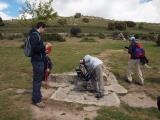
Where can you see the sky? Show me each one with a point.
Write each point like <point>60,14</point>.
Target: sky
<point>133,10</point>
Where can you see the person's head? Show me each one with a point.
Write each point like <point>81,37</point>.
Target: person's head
<point>132,39</point>
<point>40,26</point>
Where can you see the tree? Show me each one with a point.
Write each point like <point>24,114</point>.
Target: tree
<point>120,25</point>
<point>111,26</point>
<point>77,15</point>
<point>158,40</point>
<point>130,23</point>
<point>85,20</point>
<point>75,31</point>
<point>43,11</point>
<point>1,22</point>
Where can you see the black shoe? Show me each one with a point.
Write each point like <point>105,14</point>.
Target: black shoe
<point>40,104</point>
<point>93,91</point>
<point>99,95</point>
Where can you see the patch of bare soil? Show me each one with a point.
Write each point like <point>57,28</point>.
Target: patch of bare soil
<point>61,111</point>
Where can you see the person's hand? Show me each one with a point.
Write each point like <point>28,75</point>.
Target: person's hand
<point>48,70</point>
<point>48,45</point>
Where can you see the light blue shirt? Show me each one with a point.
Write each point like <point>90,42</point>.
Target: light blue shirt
<point>92,62</point>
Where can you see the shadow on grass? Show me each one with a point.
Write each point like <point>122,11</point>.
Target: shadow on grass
<point>153,80</point>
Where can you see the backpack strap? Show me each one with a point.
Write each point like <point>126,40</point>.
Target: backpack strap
<point>37,35</point>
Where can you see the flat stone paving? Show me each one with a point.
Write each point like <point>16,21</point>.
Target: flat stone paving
<point>139,100</point>
<point>68,94</point>
<point>66,91</point>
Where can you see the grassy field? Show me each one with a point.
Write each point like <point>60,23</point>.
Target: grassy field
<point>16,72</point>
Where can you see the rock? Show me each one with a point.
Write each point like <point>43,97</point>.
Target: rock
<point>69,95</point>
<point>117,88</point>
<point>57,85</point>
<point>61,93</point>
<point>63,114</point>
<point>20,91</point>
<point>90,108</point>
<point>111,79</point>
<point>63,78</point>
<point>46,93</point>
<point>138,100</point>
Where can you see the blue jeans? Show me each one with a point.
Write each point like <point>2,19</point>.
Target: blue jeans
<point>38,76</point>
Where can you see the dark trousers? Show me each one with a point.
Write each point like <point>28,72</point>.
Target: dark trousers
<point>38,76</point>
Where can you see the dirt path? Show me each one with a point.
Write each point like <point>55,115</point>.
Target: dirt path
<point>61,111</point>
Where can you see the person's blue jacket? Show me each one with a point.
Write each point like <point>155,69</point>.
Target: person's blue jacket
<point>38,48</point>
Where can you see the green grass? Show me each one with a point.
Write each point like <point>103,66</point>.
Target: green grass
<point>127,113</point>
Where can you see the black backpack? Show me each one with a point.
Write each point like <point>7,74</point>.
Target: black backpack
<point>27,45</point>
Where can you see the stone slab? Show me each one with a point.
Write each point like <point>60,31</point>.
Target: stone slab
<point>68,94</point>
<point>140,100</point>
<point>117,88</point>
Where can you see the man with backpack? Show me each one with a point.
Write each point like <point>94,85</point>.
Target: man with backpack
<point>35,49</point>
<point>136,52</point>
<point>94,67</point>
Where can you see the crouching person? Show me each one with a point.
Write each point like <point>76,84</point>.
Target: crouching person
<point>94,67</point>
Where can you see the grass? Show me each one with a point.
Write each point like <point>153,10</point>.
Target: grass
<point>127,113</point>
<point>16,72</point>
<point>95,25</point>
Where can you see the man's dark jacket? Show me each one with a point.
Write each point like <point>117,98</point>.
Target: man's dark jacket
<point>38,48</point>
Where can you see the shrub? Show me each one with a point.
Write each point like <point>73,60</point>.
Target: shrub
<point>111,26</point>
<point>115,34</point>
<point>77,15</point>
<point>75,31</point>
<point>130,24</point>
<point>85,20</point>
<point>126,34</point>
<point>25,34</point>
<point>101,36</point>
<point>120,25</point>
<point>149,37</point>
<point>141,26</point>
<point>86,39</point>
<point>53,37</point>
<point>158,40</point>
<point>1,22</point>
<point>1,36</point>
<point>62,22</point>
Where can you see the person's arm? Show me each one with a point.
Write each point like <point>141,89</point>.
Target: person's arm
<point>130,49</point>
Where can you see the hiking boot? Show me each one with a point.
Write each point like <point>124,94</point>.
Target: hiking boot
<point>99,95</point>
<point>93,91</point>
<point>40,104</point>
<point>141,84</point>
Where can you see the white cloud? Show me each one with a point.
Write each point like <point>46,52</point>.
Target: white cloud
<point>112,9</point>
<point>27,16</point>
<point>134,10</point>
<point>3,6</point>
<point>4,16</point>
